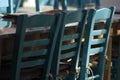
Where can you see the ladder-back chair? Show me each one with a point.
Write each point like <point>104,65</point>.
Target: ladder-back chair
<point>41,54</point>
<point>68,45</point>
<point>96,43</point>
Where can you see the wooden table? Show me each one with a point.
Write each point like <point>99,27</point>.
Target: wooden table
<point>5,33</point>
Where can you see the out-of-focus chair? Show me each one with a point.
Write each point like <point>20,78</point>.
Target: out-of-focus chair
<point>96,45</point>
<point>39,59</point>
<point>68,48</point>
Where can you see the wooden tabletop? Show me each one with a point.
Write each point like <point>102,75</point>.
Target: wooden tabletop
<point>6,32</point>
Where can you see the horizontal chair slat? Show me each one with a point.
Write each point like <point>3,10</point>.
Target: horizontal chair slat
<point>68,46</point>
<point>99,32</point>
<point>36,43</point>
<point>74,18</point>
<point>28,64</point>
<point>69,37</point>
<point>97,41</point>
<point>34,53</point>
<point>103,14</point>
<point>67,55</point>
<point>96,50</point>
<point>35,19</point>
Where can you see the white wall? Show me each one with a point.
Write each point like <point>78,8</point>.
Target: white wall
<point>29,3</point>
<point>109,3</point>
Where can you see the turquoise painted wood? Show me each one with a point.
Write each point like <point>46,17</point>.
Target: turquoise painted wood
<point>9,6</point>
<point>16,4</point>
<point>62,2</point>
<point>41,57</point>
<point>94,44</point>
<point>69,45</point>
<point>38,6</point>
<point>6,6</point>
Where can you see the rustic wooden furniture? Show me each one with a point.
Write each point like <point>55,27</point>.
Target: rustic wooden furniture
<point>69,45</point>
<point>95,44</point>
<point>24,57</point>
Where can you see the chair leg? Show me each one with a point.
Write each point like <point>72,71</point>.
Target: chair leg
<point>38,6</point>
<point>17,5</point>
<point>107,74</point>
<point>64,4</point>
<point>10,8</point>
<point>56,4</point>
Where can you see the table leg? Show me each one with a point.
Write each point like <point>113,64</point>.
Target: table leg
<point>118,67</point>
<point>108,62</point>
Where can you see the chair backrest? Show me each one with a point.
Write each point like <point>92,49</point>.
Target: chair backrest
<point>94,44</point>
<point>69,43</point>
<point>41,56</point>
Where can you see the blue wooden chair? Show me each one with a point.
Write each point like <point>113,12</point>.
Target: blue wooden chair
<point>6,6</point>
<point>24,57</point>
<point>96,45</point>
<point>68,45</point>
